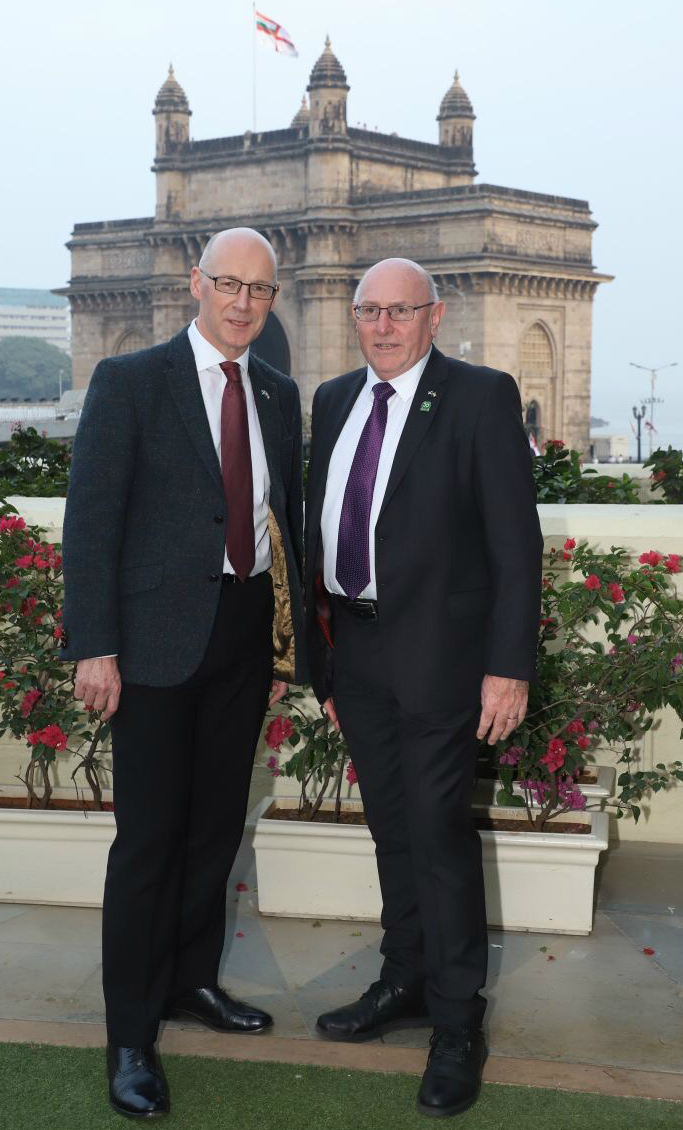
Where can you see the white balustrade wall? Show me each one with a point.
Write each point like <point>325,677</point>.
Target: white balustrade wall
<point>637,528</point>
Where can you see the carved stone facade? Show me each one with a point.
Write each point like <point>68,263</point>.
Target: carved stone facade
<point>514,267</point>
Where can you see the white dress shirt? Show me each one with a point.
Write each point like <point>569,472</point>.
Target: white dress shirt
<point>398,407</point>
<point>212,381</point>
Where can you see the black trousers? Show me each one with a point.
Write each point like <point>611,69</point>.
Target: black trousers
<point>183,758</point>
<point>416,776</point>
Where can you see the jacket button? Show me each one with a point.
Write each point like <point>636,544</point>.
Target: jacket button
<point>218,518</point>
<point>214,577</point>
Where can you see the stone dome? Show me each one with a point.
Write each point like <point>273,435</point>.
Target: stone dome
<point>302,116</point>
<point>455,103</point>
<point>171,96</point>
<point>328,71</point>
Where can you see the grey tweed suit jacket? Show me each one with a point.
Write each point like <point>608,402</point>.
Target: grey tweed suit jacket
<point>144,527</point>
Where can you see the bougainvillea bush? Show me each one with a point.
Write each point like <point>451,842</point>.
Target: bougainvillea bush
<point>610,656</point>
<point>36,689</point>
<point>559,477</point>
<point>667,473</point>
<point>317,753</point>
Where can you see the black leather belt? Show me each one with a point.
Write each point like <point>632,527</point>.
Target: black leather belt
<point>362,609</point>
<point>233,579</point>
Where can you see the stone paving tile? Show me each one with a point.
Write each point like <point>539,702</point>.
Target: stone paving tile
<point>664,936</point>
<point>55,926</point>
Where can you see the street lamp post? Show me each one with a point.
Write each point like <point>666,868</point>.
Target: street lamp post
<point>653,400</point>
<point>638,415</point>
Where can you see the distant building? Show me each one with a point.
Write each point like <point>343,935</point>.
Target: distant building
<point>55,419</point>
<point>610,449</point>
<point>514,267</point>
<point>35,313</point>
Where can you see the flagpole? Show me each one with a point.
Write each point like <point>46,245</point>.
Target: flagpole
<point>253,68</point>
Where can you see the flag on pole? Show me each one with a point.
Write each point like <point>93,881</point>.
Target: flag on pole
<point>274,35</point>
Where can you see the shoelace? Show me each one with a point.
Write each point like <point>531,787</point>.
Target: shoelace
<point>373,993</point>
<point>458,1053</point>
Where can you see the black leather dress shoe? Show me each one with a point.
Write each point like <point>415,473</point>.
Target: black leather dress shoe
<point>214,1008</point>
<point>452,1081</point>
<point>381,1009</point>
<point>137,1086</point>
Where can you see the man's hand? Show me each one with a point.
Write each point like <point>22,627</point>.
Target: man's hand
<point>278,690</point>
<point>328,707</point>
<point>503,707</point>
<point>98,684</point>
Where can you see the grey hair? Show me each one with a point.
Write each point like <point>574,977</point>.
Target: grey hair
<point>425,275</point>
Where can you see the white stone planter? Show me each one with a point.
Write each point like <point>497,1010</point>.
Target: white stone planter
<point>534,881</point>
<point>53,857</point>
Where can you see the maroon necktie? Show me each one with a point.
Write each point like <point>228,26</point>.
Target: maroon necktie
<point>236,471</point>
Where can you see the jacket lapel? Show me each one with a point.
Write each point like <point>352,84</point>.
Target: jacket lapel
<point>268,411</point>
<point>183,381</point>
<point>333,424</point>
<point>420,417</point>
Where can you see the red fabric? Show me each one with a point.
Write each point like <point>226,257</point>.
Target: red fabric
<point>237,476</point>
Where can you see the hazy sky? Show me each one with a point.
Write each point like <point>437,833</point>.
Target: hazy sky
<point>582,99</point>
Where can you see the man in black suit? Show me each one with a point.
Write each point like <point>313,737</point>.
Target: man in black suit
<point>423,587</point>
<point>182,534</point>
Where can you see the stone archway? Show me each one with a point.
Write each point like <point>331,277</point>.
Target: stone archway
<point>272,345</point>
<point>130,342</point>
<point>537,382</point>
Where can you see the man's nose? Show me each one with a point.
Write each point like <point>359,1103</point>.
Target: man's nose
<point>243,298</point>
<point>384,322</point>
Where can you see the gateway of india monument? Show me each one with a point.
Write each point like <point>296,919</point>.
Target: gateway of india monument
<point>514,267</point>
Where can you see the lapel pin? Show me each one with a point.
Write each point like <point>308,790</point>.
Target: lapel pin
<point>264,392</point>
<point>425,406</point>
<point>431,392</point>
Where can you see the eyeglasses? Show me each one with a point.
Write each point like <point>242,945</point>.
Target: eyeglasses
<point>398,313</point>
<point>227,285</point>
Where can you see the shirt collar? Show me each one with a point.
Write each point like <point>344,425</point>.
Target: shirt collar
<point>206,355</point>
<point>405,384</point>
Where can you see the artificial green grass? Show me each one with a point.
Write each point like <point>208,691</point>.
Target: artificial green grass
<point>49,1088</point>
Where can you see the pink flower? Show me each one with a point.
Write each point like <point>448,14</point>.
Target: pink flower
<point>650,558</point>
<point>575,727</point>
<point>553,757</point>
<point>24,562</point>
<point>10,524</point>
<point>676,662</point>
<point>12,583</point>
<point>592,726</point>
<point>278,731</point>
<point>511,755</point>
<point>566,556</point>
<point>58,632</point>
<point>592,582</point>
<point>274,767</point>
<point>51,736</point>
<point>570,543</point>
<point>659,476</point>
<point>553,443</point>
<point>631,638</point>
<point>673,563</point>
<point>40,562</point>
<point>583,742</point>
<point>351,774</point>
<point>28,702</point>
<point>616,593</point>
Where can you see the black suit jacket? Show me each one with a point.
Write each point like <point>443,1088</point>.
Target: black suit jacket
<point>144,529</point>
<point>458,547</point>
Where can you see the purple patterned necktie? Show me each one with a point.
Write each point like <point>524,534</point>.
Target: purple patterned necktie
<point>353,542</point>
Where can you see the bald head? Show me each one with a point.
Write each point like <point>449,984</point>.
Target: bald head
<point>392,346</point>
<point>236,242</point>
<point>231,319</point>
<point>404,273</point>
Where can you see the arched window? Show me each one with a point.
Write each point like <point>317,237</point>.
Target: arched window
<point>272,345</point>
<point>130,342</point>
<point>536,353</point>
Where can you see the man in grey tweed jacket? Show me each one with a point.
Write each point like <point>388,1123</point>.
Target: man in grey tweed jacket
<point>183,608</point>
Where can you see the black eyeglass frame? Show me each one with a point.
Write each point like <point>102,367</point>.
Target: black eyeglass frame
<point>233,294</point>
<point>394,306</point>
